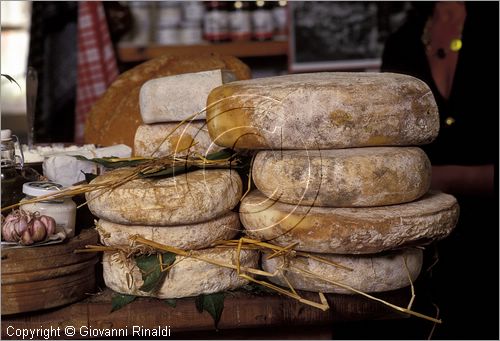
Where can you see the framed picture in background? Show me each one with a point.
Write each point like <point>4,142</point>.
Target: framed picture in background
<point>344,35</point>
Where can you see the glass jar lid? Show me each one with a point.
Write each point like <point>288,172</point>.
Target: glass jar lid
<point>39,188</point>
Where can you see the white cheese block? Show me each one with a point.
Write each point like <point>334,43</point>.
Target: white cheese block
<point>176,98</point>
<point>323,110</point>
<point>187,198</point>
<point>368,273</point>
<point>150,139</point>
<point>349,230</point>
<point>189,277</point>
<point>186,237</point>
<point>353,177</point>
<point>65,169</point>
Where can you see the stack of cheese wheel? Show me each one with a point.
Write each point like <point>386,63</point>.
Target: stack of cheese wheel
<point>166,102</point>
<point>337,175</point>
<point>189,211</point>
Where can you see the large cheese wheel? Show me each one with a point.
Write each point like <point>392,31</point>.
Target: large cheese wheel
<point>150,139</point>
<point>187,198</point>
<point>353,177</point>
<point>367,273</point>
<point>189,277</point>
<point>114,118</point>
<point>186,237</point>
<point>349,230</point>
<point>323,110</point>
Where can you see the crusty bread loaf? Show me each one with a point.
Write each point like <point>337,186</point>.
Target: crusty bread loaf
<point>323,110</point>
<point>114,118</point>
<point>349,230</point>
<point>186,237</point>
<point>189,198</point>
<point>192,135</point>
<point>189,277</point>
<point>370,273</point>
<point>352,177</point>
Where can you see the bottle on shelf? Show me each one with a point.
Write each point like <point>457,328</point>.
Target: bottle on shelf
<point>240,21</point>
<point>215,25</point>
<point>280,20</point>
<point>262,20</point>
<point>168,18</point>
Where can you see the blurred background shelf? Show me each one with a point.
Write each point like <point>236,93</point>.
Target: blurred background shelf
<point>237,49</point>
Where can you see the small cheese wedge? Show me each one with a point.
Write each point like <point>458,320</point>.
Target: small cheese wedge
<point>164,139</point>
<point>176,98</point>
<point>367,273</point>
<point>188,198</point>
<point>188,277</point>
<point>352,177</point>
<point>186,237</point>
<point>349,230</point>
<point>323,111</point>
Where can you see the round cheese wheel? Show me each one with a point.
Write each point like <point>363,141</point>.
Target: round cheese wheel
<point>349,230</point>
<point>114,118</point>
<point>353,177</point>
<point>367,273</point>
<point>186,237</point>
<point>188,198</point>
<point>189,277</point>
<point>323,111</point>
<point>190,137</point>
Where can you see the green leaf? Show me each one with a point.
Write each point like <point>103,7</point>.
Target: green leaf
<point>167,172</point>
<point>171,302</point>
<point>223,154</point>
<point>152,275</point>
<point>118,301</point>
<point>11,79</point>
<point>89,176</point>
<point>213,304</point>
<point>257,289</point>
<point>113,162</point>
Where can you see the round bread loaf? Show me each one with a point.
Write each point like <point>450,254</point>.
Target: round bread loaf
<point>186,237</point>
<point>368,273</point>
<point>349,230</point>
<point>189,277</point>
<point>150,138</point>
<point>189,198</point>
<point>353,177</point>
<point>114,118</point>
<point>323,111</point>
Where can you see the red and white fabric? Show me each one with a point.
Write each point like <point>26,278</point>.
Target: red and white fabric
<point>97,67</point>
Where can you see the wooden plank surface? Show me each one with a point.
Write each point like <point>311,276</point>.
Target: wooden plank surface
<point>237,49</point>
<point>242,310</point>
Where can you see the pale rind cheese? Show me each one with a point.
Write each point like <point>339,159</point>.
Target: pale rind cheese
<point>188,277</point>
<point>366,273</point>
<point>187,198</point>
<point>176,98</point>
<point>352,177</point>
<point>349,230</point>
<point>163,139</point>
<point>323,111</point>
<point>186,237</point>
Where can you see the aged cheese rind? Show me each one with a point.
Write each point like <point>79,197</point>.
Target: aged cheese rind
<point>187,198</point>
<point>191,136</point>
<point>178,97</point>
<point>349,230</point>
<point>370,273</point>
<point>323,110</point>
<point>353,177</point>
<point>186,237</point>
<point>189,277</point>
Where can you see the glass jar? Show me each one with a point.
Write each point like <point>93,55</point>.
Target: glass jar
<point>62,210</point>
<point>11,179</point>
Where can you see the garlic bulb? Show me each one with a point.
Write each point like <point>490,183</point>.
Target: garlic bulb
<point>27,228</point>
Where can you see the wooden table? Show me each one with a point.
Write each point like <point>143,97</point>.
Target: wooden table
<point>245,315</point>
